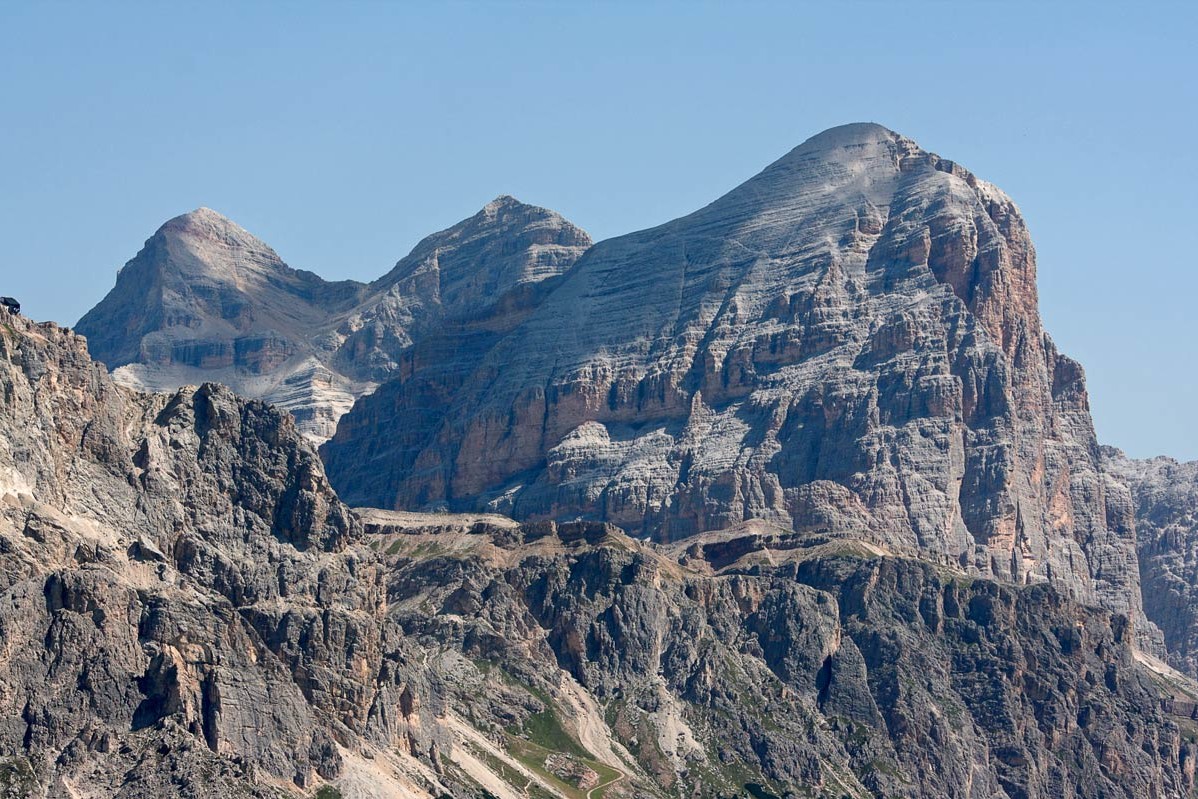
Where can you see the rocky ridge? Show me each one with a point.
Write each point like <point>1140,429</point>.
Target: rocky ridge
<point>187,609</point>
<point>205,300</point>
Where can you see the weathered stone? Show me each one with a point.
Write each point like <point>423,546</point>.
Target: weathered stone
<point>205,301</point>
<point>849,341</point>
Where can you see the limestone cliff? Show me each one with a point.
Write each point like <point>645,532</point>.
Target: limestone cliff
<point>1164,499</point>
<point>848,342</point>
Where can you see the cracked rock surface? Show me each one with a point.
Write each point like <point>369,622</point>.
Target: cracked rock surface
<point>849,341</point>
<point>187,609</point>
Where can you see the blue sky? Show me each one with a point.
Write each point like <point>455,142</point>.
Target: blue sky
<point>343,133</point>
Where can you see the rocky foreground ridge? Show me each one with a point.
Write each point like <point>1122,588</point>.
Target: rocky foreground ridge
<point>205,300</point>
<point>187,609</point>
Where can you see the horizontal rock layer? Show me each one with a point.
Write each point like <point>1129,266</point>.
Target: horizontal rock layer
<point>848,342</point>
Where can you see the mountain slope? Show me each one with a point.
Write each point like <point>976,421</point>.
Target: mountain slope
<point>849,341</point>
<point>206,301</point>
<point>186,609</point>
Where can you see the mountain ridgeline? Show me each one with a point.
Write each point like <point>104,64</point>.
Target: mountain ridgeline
<point>789,497</point>
<point>206,300</point>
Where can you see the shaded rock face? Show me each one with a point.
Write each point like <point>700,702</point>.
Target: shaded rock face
<point>206,301</point>
<point>1164,496</point>
<point>848,341</point>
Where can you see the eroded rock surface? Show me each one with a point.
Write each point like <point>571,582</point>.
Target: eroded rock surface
<point>207,301</point>
<point>1164,495</point>
<point>849,341</point>
<point>187,609</point>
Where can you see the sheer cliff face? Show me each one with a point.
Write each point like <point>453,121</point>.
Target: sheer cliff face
<point>1164,496</point>
<point>205,300</point>
<point>849,341</point>
<point>148,544</point>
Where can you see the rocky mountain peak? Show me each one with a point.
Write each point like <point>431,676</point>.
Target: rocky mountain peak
<point>205,222</point>
<point>536,243</point>
<point>500,204</point>
<point>207,300</point>
<point>204,243</point>
<point>847,341</point>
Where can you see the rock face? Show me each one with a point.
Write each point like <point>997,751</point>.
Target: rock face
<point>1164,495</point>
<point>849,341</point>
<point>206,301</point>
<point>805,668</point>
<point>184,599</point>
<point>187,609</point>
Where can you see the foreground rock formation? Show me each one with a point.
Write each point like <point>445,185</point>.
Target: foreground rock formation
<point>848,342</point>
<point>206,301</point>
<point>187,609</point>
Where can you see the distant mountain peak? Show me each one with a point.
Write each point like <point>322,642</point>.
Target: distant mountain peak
<point>205,228</point>
<point>205,299</point>
<point>852,133</point>
<point>501,202</point>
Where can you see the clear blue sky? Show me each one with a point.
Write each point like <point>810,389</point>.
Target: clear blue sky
<point>341,134</point>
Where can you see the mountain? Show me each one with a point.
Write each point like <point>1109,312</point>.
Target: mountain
<point>187,609</point>
<point>205,300</point>
<point>848,343</point>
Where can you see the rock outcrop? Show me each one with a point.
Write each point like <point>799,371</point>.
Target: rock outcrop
<point>848,342</point>
<point>187,608</point>
<point>768,664</point>
<point>206,301</point>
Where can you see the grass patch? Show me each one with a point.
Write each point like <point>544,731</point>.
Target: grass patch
<point>533,756</point>
<point>544,730</point>
<point>510,775</point>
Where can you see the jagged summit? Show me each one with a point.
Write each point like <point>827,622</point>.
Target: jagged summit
<point>500,203</point>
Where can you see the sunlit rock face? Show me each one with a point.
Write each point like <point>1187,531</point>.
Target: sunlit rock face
<point>1164,497</point>
<point>188,609</point>
<point>849,341</point>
